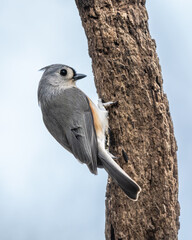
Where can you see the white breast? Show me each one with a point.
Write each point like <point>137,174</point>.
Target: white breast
<point>100,120</point>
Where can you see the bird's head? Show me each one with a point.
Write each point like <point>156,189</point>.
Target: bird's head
<point>55,78</point>
<point>60,75</point>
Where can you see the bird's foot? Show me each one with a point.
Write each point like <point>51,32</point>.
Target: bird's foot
<point>102,105</point>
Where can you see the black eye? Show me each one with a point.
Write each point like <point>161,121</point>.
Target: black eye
<point>63,72</point>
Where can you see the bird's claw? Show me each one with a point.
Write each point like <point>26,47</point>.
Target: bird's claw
<point>102,105</point>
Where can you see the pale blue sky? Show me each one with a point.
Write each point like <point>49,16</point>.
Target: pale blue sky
<point>45,193</point>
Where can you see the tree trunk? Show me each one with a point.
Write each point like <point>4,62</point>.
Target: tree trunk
<point>127,70</point>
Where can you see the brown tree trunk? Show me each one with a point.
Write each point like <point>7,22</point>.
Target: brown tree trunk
<point>127,70</point>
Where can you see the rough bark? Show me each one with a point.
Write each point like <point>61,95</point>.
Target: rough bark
<point>127,70</point>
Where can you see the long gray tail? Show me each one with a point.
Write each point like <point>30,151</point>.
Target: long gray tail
<point>129,186</point>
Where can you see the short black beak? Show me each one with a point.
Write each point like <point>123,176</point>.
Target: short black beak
<point>79,76</point>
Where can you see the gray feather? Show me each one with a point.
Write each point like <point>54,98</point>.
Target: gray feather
<point>129,186</point>
<point>69,119</point>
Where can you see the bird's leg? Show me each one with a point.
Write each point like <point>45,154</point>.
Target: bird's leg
<point>108,104</point>
<point>102,105</point>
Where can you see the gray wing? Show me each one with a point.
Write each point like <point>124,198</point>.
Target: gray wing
<point>69,119</point>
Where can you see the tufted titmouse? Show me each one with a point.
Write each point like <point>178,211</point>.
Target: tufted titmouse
<point>77,124</point>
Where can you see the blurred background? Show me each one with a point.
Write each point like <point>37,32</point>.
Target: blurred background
<point>44,192</point>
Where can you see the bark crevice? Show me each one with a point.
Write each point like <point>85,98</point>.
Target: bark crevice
<point>126,69</point>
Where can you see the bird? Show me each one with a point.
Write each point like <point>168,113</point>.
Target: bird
<point>78,124</point>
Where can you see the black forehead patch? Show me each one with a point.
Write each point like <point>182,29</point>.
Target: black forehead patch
<point>74,72</point>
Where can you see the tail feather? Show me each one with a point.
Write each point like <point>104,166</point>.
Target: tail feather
<point>128,185</point>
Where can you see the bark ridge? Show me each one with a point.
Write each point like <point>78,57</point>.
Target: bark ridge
<point>126,69</point>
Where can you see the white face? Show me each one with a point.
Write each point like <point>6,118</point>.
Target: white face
<point>66,73</point>
<point>56,78</point>
<point>59,76</point>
